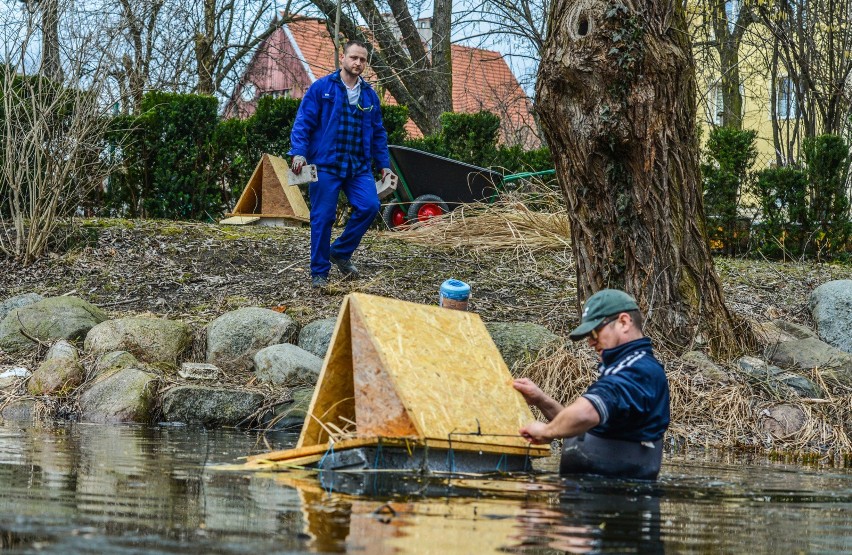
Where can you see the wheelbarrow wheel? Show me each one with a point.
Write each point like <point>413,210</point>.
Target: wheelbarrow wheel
<point>394,216</point>
<point>426,207</point>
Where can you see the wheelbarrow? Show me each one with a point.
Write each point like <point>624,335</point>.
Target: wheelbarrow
<point>431,185</point>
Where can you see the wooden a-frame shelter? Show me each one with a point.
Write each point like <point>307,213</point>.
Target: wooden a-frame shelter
<point>404,374</point>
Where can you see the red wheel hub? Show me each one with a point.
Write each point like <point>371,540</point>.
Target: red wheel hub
<point>428,211</point>
<point>397,217</point>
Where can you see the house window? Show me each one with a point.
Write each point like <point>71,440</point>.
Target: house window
<point>716,104</point>
<point>786,105</point>
<point>283,93</point>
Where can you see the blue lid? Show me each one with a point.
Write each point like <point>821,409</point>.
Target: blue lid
<point>455,289</point>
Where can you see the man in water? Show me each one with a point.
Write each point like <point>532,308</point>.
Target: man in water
<point>616,427</point>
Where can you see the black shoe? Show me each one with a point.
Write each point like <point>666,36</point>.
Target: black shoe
<point>345,266</point>
<point>319,282</point>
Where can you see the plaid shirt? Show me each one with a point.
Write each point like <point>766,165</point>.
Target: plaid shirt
<point>349,152</point>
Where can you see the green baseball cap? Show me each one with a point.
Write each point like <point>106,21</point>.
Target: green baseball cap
<point>606,302</point>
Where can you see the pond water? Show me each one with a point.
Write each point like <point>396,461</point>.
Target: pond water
<point>79,488</point>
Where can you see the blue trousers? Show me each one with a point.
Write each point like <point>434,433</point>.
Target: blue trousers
<point>361,191</point>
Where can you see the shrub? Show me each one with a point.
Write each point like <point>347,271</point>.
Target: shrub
<point>729,157</point>
<point>782,198</point>
<point>827,159</point>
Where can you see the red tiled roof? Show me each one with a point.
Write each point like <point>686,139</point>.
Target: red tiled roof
<point>302,51</point>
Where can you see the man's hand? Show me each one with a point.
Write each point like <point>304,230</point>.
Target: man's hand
<point>386,171</point>
<point>297,164</point>
<point>531,392</point>
<point>536,433</point>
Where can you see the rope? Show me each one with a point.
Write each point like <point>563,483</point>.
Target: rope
<point>502,460</point>
<point>329,451</point>
<point>379,456</point>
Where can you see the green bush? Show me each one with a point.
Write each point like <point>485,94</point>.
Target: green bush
<point>395,118</point>
<point>782,198</point>
<point>827,160</point>
<point>729,156</point>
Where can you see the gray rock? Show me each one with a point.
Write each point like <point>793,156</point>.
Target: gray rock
<point>235,337</point>
<point>807,354</point>
<point>316,336</point>
<point>290,416</point>
<point>11,376</point>
<point>779,331</point>
<point>59,373</point>
<point>148,339</point>
<point>776,379</point>
<point>19,301</point>
<point>831,307</point>
<point>783,420</point>
<point>209,406</point>
<point>287,364</point>
<point>520,342</point>
<point>704,366</point>
<point>48,320</point>
<point>198,371</point>
<point>125,395</point>
<point>20,410</point>
<point>114,360</point>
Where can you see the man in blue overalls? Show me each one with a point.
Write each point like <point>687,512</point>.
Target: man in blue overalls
<point>616,427</point>
<point>339,128</point>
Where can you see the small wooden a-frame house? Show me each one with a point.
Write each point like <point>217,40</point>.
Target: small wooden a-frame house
<point>408,386</point>
<point>268,198</point>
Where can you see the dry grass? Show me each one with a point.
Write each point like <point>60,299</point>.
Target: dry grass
<point>505,225</point>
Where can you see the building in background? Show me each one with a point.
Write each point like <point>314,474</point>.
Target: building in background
<point>302,51</point>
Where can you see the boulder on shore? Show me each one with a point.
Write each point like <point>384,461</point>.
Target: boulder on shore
<point>316,336</point>
<point>520,342</point>
<point>831,307</point>
<point>209,406</point>
<point>148,339</point>
<point>59,373</point>
<point>18,301</point>
<point>235,337</point>
<point>287,364</point>
<point>125,395</point>
<point>47,321</point>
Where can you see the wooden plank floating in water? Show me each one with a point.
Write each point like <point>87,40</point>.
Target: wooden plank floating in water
<point>410,375</point>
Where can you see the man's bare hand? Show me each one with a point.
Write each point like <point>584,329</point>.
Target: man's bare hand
<point>297,164</point>
<point>536,433</point>
<point>386,171</point>
<point>531,392</point>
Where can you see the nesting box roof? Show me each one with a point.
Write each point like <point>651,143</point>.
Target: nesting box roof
<point>403,370</point>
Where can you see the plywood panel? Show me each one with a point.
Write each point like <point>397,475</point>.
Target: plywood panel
<point>446,370</point>
<point>295,201</point>
<point>334,396</point>
<point>379,412</point>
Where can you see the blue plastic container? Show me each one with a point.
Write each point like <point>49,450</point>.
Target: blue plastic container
<point>454,294</point>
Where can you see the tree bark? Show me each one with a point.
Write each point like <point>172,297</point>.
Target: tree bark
<point>617,98</point>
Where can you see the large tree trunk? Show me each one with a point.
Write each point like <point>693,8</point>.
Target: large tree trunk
<point>616,96</point>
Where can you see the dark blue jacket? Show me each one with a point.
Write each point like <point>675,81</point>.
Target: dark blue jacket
<point>631,394</point>
<point>314,132</point>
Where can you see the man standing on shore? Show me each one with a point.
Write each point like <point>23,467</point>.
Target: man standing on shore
<point>616,427</point>
<point>339,128</point>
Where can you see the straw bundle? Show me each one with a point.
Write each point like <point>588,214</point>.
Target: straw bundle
<point>505,225</point>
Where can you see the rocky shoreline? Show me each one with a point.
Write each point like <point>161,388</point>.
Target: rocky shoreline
<point>216,326</point>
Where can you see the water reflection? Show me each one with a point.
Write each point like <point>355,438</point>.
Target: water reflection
<point>105,489</point>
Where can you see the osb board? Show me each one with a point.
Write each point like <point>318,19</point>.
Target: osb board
<point>239,220</point>
<point>445,368</point>
<point>441,365</point>
<point>378,408</point>
<point>334,395</point>
<point>313,453</point>
<point>295,202</point>
<point>267,195</point>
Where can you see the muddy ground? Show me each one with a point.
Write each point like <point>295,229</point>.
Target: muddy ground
<point>196,272</point>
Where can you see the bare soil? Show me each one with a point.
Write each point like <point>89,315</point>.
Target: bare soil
<point>196,272</point>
